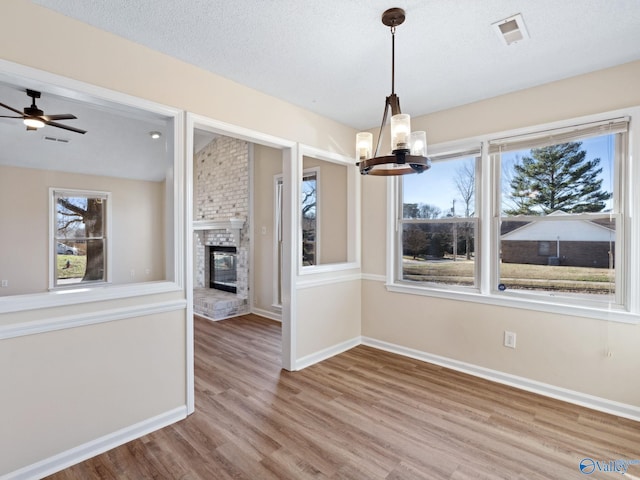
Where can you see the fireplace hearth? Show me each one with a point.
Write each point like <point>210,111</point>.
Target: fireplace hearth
<point>223,268</point>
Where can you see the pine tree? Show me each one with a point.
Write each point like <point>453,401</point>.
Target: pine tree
<point>558,177</point>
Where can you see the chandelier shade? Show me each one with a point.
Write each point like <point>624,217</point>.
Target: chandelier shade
<point>408,149</point>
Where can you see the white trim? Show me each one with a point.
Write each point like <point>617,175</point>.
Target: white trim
<point>318,282</point>
<point>353,211</point>
<point>84,294</point>
<point>188,240</point>
<point>326,353</point>
<point>267,314</point>
<point>577,398</point>
<point>78,454</point>
<point>373,277</point>
<point>290,244</point>
<point>251,227</point>
<point>535,304</point>
<point>328,267</point>
<point>231,224</point>
<point>289,154</point>
<point>277,252</point>
<point>211,319</point>
<point>241,133</point>
<point>22,329</point>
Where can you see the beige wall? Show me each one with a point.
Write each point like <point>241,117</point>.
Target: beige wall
<point>333,209</point>
<point>267,163</point>
<point>559,350</point>
<point>327,316</point>
<point>137,226</point>
<point>63,389</point>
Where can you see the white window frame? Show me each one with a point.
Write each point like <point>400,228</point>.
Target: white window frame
<point>471,151</point>
<point>54,193</point>
<point>353,260</point>
<point>629,232</point>
<point>313,172</point>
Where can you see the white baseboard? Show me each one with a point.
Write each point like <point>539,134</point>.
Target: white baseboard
<point>267,314</point>
<point>316,357</point>
<point>95,447</point>
<point>577,398</point>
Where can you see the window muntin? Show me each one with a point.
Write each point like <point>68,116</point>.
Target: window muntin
<point>559,228</point>
<point>80,237</point>
<point>438,235</point>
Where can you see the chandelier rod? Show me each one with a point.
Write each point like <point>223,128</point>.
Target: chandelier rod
<point>393,60</point>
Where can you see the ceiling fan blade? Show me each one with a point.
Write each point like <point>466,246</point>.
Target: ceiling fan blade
<point>9,116</point>
<point>12,109</point>
<point>62,116</point>
<point>65,127</point>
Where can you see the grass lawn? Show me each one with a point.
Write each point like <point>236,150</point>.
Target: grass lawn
<point>514,275</point>
<point>77,266</point>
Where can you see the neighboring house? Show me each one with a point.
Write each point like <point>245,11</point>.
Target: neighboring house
<point>575,243</point>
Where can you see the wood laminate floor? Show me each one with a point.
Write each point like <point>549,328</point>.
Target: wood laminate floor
<point>364,414</point>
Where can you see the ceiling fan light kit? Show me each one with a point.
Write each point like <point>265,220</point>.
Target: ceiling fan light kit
<point>34,118</point>
<point>408,149</point>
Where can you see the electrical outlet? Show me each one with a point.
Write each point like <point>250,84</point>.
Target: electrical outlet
<point>509,339</point>
<point>5,283</point>
<point>263,230</point>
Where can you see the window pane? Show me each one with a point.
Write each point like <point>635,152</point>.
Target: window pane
<point>559,254</point>
<point>573,177</point>
<point>447,189</point>
<point>80,247</point>
<point>440,252</point>
<point>309,219</point>
<point>571,256</point>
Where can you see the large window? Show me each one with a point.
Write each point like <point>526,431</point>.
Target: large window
<point>560,215</point>
<point>80,223</point>
<point>551,226</point>
<point>439,222</point>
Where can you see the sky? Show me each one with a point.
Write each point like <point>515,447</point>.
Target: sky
<point>437,186</point>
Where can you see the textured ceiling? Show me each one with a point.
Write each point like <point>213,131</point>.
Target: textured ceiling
<point>333,56</point>
<point>115,135</point>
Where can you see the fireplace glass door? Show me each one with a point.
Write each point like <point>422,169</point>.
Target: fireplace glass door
<point>223,268</point>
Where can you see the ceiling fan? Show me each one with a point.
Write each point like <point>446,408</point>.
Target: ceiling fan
<point>34,118</point>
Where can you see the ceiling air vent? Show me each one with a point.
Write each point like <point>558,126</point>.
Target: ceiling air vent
<point>511,30</point>
<point>55,139</point>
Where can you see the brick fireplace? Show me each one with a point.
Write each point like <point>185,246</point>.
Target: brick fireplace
<point>221,206</point>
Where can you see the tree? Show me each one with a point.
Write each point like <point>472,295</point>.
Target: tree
<point>415,240</point>
<point>420,210</point>
<point>73,211</point>
<point>558,177</point>
<point>309,219</point>
<point>465,181</point>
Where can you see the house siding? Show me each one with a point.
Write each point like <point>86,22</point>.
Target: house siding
<point>572,254</point>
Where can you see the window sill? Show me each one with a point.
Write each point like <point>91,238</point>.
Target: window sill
<point>84,294</point>
<point>613,313</point>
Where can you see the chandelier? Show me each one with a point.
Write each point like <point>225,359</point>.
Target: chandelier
<point>408,149</point>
